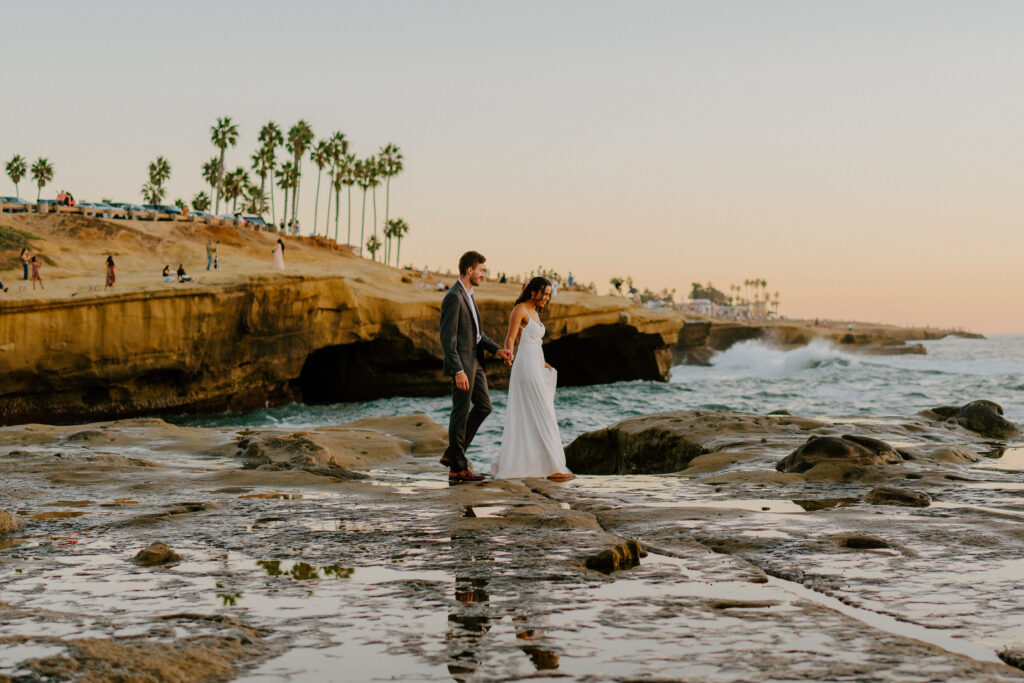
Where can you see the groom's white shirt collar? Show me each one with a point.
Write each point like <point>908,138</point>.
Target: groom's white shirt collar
<point>472,308</point>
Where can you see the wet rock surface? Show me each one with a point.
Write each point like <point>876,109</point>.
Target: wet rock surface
<point>893,495</point>
<point>729,571</point>
<point>8,522</point>
<point>155,554</point>
<point>848,449</point>
<point>984,417</point>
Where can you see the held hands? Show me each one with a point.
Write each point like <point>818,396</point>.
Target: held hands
<point>461,381</point>
<point>506,355</point>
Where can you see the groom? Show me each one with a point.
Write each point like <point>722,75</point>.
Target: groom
<point>463,342</point>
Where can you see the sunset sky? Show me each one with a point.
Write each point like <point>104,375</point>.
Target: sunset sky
<point>865,158</point>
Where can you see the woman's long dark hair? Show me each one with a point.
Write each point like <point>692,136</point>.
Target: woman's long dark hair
<point>281,243</point>
<point>537,284</point>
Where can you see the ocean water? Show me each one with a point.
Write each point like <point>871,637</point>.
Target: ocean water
<point>817,380</point>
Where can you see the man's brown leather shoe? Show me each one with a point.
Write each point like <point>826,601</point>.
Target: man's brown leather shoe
<point>464,475</point>
<point>445,460</point>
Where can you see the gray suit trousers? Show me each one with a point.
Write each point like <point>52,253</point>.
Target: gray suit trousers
<point>469,409</point>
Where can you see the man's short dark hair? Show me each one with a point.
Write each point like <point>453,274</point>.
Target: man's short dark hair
<point>471,259</point>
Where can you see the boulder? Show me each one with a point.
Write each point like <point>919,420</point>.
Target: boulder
<point>851,450</point>
<point>296,451</point>
<point>8,522</point>
<point>645,445</point>
<point>156,554</point>
<point>984,417</point>
<point>893,495</point>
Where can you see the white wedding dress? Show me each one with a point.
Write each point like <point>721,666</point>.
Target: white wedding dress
<point>531,445</point>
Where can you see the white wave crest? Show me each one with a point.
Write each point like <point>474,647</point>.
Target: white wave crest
<point>754,358</point>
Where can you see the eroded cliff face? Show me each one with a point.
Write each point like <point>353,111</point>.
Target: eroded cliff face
<point>282,338</point>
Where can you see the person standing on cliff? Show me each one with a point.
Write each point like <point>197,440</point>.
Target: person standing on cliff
<point>209,254</point>
<point>36,277</point>
<point>463,342</point>
<point>279,254</point>
<point>111,275</point>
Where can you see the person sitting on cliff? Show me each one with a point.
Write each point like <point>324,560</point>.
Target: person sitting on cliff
<point>166,274</point>
<point>182,277</point>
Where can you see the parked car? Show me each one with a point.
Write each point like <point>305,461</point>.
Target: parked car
<point>202,214</point>
<point>14,204</point>
<point>163,211</point>
<point>129,210</point>
<point>255,220</point>
<point>101,209</point>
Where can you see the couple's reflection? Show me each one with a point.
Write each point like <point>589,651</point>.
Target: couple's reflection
<point>469,621</point>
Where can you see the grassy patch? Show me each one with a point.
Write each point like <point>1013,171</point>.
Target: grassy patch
<point>12,241</point>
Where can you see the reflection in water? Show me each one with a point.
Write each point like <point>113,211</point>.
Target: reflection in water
<point>466,626</point>
<point>471,619</point>
<point>229,599</point>
<point>543,660</point>
<point>303,571</point>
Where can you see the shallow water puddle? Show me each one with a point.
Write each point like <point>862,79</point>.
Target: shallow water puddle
<point>486,511</point>
<point>734,590</point>
<point>774,506</point>
<point>1012,459</point>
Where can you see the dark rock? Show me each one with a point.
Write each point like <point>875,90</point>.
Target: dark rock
<point>156,554</point>
<point>861,542</point>
<point>8,522</point>
<point>892,495</point>
<point>848,449</point>
<point>625,555</point>
<point>780,412</point>
<point>984,417</point>
<point>1013,657</point>
<point>637,446</point>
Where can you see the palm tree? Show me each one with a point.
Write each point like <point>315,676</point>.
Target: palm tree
<point>262,162</point>
<point>201,202</point>
<point>42,173</point>
<point>287,178</point>
<point>398,228</point>
<point>223,134</point>
<point>234,185</point>
<point>210,174</point>
<point>390,165</point>
<point>364,169</point>
<point>319,155</point>
<point>348,179</point>
<point>271,137</point>
<point>159,174</point>
<point>16,169</point>
<point>299,137</point>
<point>339,148</point>
<point>373,171</point>
<point>152,193</point>
<point>180,203</point>
<point>253,199</point>
<point>372,246</point>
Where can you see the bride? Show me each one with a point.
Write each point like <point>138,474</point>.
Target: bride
<point>531,445</point>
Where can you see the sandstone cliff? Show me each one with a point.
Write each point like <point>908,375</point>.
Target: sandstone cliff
<point>281,338</point>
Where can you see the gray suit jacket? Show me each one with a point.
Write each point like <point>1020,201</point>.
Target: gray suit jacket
<point>458,333</point>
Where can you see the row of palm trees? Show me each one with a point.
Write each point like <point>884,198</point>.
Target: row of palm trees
<point>750,290</point>
<point>330,154</point>
<point>42,172</point>
<point>236,189</point>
